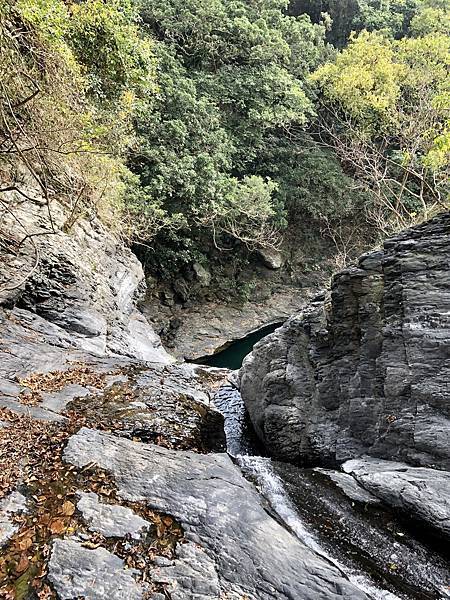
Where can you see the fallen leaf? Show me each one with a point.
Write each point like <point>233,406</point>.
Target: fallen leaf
<point>24,543</point>
<point>23,564</point>
<point>57,526</point>
<point>68,508</point>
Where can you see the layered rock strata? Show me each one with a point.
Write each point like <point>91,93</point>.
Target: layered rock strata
<point>365,372</point>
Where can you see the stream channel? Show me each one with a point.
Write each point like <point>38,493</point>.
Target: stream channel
<point>387,557</point>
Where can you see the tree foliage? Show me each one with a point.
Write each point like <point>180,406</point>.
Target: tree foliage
<point>385,111</point>
<point>232,85</point>
<point>203,124</point>
<point>62,65</point>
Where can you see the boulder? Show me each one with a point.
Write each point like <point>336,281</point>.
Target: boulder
<point>366,373</point>
<point>421,494</point>
<point>97,574</point>
<point>271,258</point>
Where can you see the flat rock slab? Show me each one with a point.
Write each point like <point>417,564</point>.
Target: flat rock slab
<point>195,569</point>
<point>35,412</point>
<point>96,574</point>
<point>160,402</point>
<point>421,493</point>
<point>252,554</point>
<point>11,505</point>
<point>110,520</point>
<point>350,487</point>
<point>57,401</point>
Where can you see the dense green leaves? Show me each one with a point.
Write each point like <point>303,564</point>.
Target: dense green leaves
<point>213,123</point>
<point>232,83</point>
<point>73,75</point>
<point>106,41</point>
<point>386,106</point>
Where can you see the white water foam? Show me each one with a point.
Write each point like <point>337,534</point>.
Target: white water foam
<point>271,487</point>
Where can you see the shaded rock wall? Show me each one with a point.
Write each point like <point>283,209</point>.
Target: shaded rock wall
<point>368,371</point>
<point>81,279</point>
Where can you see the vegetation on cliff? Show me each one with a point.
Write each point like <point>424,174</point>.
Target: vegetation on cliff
<point>192,126</point>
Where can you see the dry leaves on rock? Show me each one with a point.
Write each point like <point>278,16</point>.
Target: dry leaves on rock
<point>55,381</point>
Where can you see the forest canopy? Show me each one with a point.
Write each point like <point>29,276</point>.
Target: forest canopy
<point>194,124</point>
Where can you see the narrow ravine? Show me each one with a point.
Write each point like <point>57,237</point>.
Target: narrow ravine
<point>368,544</point>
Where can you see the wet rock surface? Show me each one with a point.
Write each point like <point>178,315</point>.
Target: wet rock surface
<point>367,537</point>
<point>240,436</point>
<point>251,553</point>
<point>367,372</point>
<point>422,494</point>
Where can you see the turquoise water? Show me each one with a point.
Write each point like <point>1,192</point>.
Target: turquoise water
<point>232,356</point>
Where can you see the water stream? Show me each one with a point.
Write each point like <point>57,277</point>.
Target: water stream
<point>231,355</point>
<point>368,544</point>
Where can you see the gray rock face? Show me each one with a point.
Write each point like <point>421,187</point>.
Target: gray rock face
<point>272,259</point>
<point>96,574</point>
<point>367,373</point>
<point>196,331</point>
<point>423,494</point>
<point>110,520</point>
<point>86,282</point>
<point>11,505</point>
<point>250,552</point>
<point>350,487</point>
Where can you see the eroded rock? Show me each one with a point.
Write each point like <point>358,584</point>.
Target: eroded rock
<point>11,505</point>
<point>97,574</point>
<point>422,494</point>
<point>350,487</point>
<point>220,511</point>
<point>367,372</point>
<point>111,520</point>
<point>84,286</point>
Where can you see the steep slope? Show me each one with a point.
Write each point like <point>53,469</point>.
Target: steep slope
<point>107,488</point>
<point>77,277</point>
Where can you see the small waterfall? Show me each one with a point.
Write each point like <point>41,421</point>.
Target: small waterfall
<point>270,485</point>
<point>242,445</point>
<point>260,471</point>
<point>240,437</point>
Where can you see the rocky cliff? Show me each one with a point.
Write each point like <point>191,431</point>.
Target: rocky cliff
<point>78,278</point>
<point>366,371</point>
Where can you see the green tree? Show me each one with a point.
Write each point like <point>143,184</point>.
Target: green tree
<point>72,76</point>
<point>232,80</point>
<point>385,112</point>
<point>433,16</point>
<point>393,17</point>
